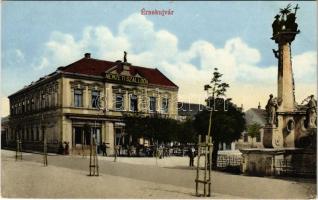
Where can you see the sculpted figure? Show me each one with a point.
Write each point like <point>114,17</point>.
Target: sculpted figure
<point>276,25</point>
<point>125,56</point>
<point>312,112</point>
<point>291,24</point>
<point>271,108</point>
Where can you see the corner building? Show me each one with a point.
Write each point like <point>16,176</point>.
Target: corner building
<point>87,92</point>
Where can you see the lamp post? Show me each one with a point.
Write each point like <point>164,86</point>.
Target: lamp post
<point>43,98</point>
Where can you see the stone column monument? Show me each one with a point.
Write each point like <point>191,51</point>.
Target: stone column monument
<point>290,132</point>
<point>282,113</point>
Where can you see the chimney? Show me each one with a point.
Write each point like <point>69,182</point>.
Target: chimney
<point>87,55</point>
<point>259,105</point>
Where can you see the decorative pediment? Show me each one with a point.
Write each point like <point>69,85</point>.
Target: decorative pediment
<point>77,84</point>
<point>95,86</point>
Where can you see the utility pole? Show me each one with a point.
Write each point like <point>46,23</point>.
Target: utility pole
<point>18,152</point>
<point>93,159</point>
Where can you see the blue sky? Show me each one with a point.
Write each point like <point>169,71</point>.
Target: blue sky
<point>35,34</point>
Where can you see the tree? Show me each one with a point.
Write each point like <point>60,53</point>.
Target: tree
<point>186,132</point>
<point>253,131</point>
<point>224,120</point>
<point>155,127</point>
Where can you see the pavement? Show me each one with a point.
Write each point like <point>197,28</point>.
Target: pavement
<point>66,177</point>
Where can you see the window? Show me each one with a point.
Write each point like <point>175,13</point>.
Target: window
<point>43,100</point>
<point>37,134</point>
<point>227,146</point>
<point>119,102</point>
<point>258,137</point>
<point>95,99</point>
<point>32,136</point>
<point>78,98</point>
<point>23,107</point>
<point>133,103</point>
<point>152,104</point>
<point>245,137</point>
<point>164,105</point>
<point>32,104</point>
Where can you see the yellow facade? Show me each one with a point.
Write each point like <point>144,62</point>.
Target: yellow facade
<point>61,104</point>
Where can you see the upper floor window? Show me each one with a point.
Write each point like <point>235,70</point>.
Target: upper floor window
<point>133,103</point>
<point>43,100</point>
<point>23,107</point>
<point>28,106</point>
<point>78,98</point>
<point>164,105</point>
<point>95,99</point>
<point>152,104</point>
<point>119,102</point>
<point>32,104</point>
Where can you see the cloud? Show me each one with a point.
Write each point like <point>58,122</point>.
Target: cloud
<point>147,46</point>
<point>4,106</point>
<point>19,55</point>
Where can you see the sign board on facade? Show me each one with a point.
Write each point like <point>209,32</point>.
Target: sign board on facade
<point>129,79</point>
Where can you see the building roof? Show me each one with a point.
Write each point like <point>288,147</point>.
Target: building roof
<point>95,67</point>
<point>256,115</point>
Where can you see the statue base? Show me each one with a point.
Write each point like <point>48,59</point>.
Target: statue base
<point>280,161</point>
<point>288,132</point>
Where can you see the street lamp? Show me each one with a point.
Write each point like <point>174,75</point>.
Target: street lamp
<point>44,134</point>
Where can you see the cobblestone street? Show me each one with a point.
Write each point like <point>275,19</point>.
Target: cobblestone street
<point>66,177</point>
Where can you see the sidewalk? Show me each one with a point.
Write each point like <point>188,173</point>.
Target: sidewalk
<point>24,179</point>
<point>137,178</point>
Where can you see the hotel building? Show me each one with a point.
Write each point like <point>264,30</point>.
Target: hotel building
<point>89,92</point>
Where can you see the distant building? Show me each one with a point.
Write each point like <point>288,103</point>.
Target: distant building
<point>88,93</point>
<point>253,115</point>
<point>4,131</point>
<point>188,110</point>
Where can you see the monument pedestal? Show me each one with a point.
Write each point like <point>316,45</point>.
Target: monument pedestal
<point>280,161</point>
<point>291,127</point>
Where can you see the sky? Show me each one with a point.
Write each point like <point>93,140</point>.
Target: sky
<point>37,37</point>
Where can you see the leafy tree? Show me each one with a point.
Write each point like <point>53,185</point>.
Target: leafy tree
<point>226,119</point>
<point>186,132</point>
<point>155,127</point>
<point>253,131</point>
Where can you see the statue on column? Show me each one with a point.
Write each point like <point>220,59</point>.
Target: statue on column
<point>271,109</point>
<point>277,25</point>
<point>286,22</point>
<point>312,112</point>
<point>125,56</point>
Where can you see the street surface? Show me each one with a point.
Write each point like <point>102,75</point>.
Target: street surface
<point>66,177</point>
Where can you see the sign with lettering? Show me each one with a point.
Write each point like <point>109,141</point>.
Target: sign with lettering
<point>129,79</point>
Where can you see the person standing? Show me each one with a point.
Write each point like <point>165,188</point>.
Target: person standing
<point>191,156</point>
<point>103,147</point>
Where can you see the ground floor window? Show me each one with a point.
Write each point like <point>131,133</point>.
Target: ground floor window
<point>82,137</point>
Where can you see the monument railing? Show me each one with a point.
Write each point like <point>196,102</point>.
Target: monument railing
<point>285,167</point>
